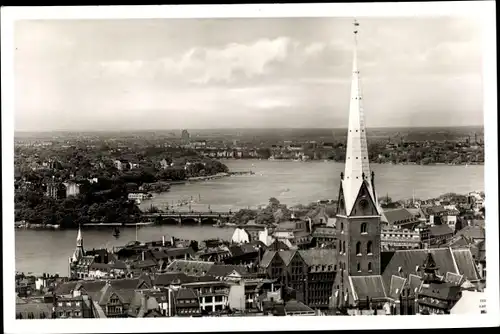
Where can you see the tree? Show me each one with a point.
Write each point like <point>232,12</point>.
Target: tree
<point>274,203</point>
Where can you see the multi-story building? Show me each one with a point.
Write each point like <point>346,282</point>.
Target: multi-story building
<point>74,307</point>
<point>324,237</point>
<point>309,273</point>
<point>186,303</point>
<point>394,238</point>
<point>212,294</point>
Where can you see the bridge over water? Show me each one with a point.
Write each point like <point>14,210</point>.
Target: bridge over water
<point>193,217</point>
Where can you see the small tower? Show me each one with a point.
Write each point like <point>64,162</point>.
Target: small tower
<point>79,251</point>
<point>430,270</point>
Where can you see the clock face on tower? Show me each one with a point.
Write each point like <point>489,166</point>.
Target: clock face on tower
<point>363,203</point>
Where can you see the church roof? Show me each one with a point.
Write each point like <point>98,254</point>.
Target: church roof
<point>367,287</point>
<point>465,263</point>
<point>408,261</point>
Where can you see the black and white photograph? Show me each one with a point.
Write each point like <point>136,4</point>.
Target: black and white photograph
<point>205,164</point>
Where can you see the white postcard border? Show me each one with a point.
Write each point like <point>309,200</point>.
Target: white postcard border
<point>484,10</point>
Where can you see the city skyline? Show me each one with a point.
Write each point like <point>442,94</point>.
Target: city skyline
<point>232,73</point>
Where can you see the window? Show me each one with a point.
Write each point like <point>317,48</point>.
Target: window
<point>340,246</point>
<point>369,266</point>
<point>208,299</point>
<point>363,228</point>
<point>342,227</point>
<point>359,267</point>
<point>358,248</point>
<point>343,246</point>
<point>369,248</point>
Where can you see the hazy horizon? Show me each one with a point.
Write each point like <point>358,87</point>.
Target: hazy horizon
<point>139,75</point>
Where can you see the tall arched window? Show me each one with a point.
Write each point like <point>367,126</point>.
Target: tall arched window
<point>359,266</point>
<point>340,247</point>
<point>369,266</point>
<point>342,227</point>
<point>343,246</point>
<point>358,248</point>
<point>363,228</point>
<point>369,248</point>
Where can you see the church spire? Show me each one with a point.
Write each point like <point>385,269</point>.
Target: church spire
<point>79,238</point>
<point>79,251</point>
<point>357,169</point>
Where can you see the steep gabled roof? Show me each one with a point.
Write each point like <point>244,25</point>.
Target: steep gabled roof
<point>452,278</point>
<point>169,278</point>
<point>293,306</point>
<point>398,215</point>
<point>397,285</point>
<point>414,282</point>
<point>317,257</point>
<point>472,232</point>
<point>287,255</point>
<point>440,230</point>
<point>185,293</point>
<point>267,258</point>
<point>194,268</point>
<point>409,260</point>
<point>367,287</point>
<point>222,270</point>
<point>465,263</point>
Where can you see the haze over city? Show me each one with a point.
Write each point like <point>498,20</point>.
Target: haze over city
<point>237,73</point>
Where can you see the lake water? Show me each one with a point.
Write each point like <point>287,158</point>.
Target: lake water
<point>290,182</point>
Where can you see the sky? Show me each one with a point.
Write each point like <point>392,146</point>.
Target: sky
<point>244,73</point>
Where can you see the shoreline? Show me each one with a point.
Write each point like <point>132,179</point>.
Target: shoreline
<point>371,162</point>
<point>209,177</point>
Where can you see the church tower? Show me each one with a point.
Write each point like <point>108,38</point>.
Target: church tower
<point>79,251</point>
<point>358,214</point>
